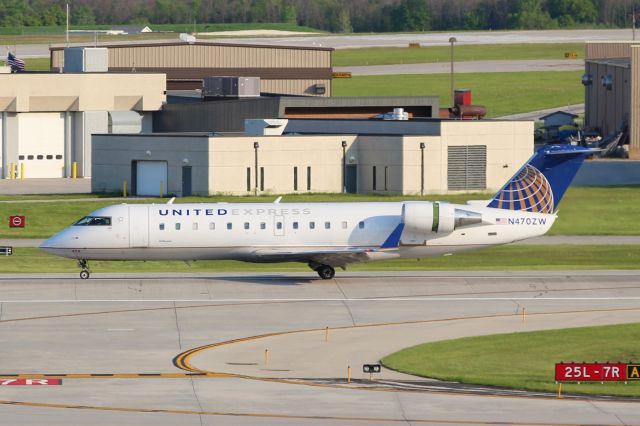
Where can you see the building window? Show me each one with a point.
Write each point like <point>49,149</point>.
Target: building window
<point>261,178</point>
<point>263,225</point>
<point>177,226</point>
<point>309,178</point>
<point>248,179</point>
<point>29,157</point>
<point>374,178</point>
<point>58,157</point>
<point>161,226</point>
<point>212,226</point>
<point>49,157</point>
<point>312,225</point>
<point>194,226</point>
<point>327,225</point>
<point>20,157</point>
<point>295,225</point>
<point>278,225</point>
<point>246,225</point>
<point>295,178</point>
<point>361,225</point>
<point>344,225</point>
<point>40,157</point>
<point>229,225</point>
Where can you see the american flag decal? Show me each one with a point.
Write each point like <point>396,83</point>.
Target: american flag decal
<point>501,221</point>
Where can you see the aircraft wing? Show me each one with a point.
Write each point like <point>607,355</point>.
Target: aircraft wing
<point>339,257</point>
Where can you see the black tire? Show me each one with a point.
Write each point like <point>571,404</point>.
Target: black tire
<point>326,272</point>
<point>84,275</point>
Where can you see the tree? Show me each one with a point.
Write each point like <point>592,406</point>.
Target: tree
<point>531,15</point>
<point>82,15</point>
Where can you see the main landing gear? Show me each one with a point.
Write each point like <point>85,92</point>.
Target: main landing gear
<point>84,274</point>
<point>326,272</point>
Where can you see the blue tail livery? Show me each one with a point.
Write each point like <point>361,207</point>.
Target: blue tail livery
<point>541,183</point>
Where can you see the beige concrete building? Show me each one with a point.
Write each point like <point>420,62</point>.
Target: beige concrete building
<point>46,120</point>
<point>431,156</point>
<point>612,89</point>
<point>282,69</point>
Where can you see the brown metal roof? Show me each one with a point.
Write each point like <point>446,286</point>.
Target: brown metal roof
<point>153,43</point>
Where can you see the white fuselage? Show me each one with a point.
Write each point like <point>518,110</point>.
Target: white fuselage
<point>243,231</point>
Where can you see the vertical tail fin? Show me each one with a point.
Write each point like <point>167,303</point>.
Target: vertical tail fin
<point>541,183</point>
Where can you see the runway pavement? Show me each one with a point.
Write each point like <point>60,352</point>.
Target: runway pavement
<point>114,327</point>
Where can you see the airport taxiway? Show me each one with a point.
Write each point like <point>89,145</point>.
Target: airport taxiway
<point>121,336</point>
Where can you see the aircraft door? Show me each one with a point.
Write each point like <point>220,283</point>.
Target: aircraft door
<point>278,225</point>
<point>138,226</point>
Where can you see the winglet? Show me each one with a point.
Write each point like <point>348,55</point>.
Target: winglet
<point>171,200</point>
<point>277,201</point>
<point>393,240</point>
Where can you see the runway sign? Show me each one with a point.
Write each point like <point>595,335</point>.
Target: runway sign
<point>341,75</point>
<point>592,372</point>
<point>30,382</point>
<point>16,221</point>
<point>633,371</point>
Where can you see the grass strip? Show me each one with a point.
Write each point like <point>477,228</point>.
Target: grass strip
<point>501,93</point>
<point>524,360</point>
<point>465,52</point>
<point>501,258</point>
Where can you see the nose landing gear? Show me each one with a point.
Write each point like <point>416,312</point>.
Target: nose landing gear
<point>84,274</point>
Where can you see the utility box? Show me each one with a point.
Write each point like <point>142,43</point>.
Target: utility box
<point>231,87</point>
<point>86,59</point>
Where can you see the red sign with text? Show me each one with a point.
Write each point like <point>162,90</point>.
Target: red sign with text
<point>30,382</point>
<point>590,372</point>
<point>16,221</point>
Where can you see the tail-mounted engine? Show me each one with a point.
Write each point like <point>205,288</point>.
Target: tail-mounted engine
<point>423,220</point>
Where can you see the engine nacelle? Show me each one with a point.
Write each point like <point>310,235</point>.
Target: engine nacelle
<point>423,219</point>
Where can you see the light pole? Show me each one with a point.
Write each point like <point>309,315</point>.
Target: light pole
<point>256,145</point>
<point>452,40</point>
<point>422,168</point>
<point>344,167</point>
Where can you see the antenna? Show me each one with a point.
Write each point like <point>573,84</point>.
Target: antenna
<point>67,25</point>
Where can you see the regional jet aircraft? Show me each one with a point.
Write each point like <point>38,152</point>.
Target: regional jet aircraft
<point>325,235</point>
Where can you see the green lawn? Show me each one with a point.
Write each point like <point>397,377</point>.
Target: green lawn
<point>501,93</point>
<point>583,211</point>
<point>524,360</point>
<point>501,258</point>
<point>482,52</point>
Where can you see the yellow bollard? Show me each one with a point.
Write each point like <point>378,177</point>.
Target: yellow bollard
<point>348,374</point>
<point>161,188</point>
<point>74,170</point>
<point>524,313</point>
<point>21,171</point>
<point>12,171</point>
<point>559,390</point>
<point>124,188</point>
<point>266,358</point>
<point>326,334</point>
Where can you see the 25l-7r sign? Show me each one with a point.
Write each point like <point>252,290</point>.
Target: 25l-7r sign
<point>596,372</point>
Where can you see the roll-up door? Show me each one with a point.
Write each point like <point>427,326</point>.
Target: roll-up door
<point>151,177</point>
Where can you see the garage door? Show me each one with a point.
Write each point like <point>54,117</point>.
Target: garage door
<point>41,144</point>
<point>150,175</point>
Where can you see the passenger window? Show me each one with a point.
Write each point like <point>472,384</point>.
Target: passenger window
<point>279,225</point>
<point>295,225</point>
<point>229,225</point>
<point>212,225</point>
<point>40,157</point>
<point>177,226</point>
<point>29,157</point>
<point>263,225</point>
<point>246,225</point>
<point>361,225</point>
<point>344,225</point>
<point>162,226</point>
<point>312,225</point>
<point>58,157</point>
<point>327,225</point>
<point>194,226</point>
<point>20,157</point>
<point>49,157</point>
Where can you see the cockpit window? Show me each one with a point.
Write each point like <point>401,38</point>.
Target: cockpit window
<point>94,221</point>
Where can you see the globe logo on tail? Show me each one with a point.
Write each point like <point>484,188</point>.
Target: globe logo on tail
<point>529,190</point>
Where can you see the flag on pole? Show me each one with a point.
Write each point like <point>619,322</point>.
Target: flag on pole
<point>16,64</point>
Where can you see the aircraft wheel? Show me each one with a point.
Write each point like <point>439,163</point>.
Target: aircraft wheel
<point>326,272</point>
<point>84,275</point>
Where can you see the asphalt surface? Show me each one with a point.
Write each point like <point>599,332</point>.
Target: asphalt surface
<point>382,40</point>
<point>44,186</point>
<point>466,67</point>
<point>109,330</point>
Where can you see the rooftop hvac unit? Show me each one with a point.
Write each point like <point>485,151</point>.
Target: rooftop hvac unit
<point>231,87</point>
<point>86,59</point>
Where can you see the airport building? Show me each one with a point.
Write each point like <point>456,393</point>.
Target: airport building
<point>46,120</point>
<point>281,69</point>
<point>612,90</point>
<point>316,155</point>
